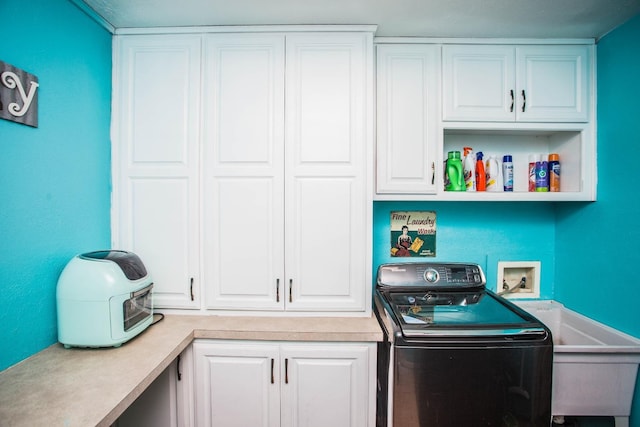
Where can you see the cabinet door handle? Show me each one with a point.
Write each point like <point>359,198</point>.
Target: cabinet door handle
<point>290,290</point>
<point>512,101</point>
<point>179,374</point>
<point>191,288</point>
<point>272,378</point>
<point>433,172</point>
<point>524,100</point>
<point>286,371</point>
<point>277,294</point>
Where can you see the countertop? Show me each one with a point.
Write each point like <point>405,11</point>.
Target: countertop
<point>93,387</point>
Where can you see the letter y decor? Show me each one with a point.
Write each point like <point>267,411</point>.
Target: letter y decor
<point>18,95</point>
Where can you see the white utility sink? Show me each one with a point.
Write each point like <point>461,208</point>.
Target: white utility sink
<point>594,366</point>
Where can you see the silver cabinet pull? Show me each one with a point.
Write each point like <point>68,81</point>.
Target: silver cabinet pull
<point>433,173</point>
<point>524,100</point>
<point>277,291</point>
<point>191,288</point>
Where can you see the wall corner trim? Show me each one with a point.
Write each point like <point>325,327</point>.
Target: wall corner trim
<point>94,15</point>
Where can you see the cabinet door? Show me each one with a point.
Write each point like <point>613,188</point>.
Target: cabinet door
<point>243,171</point>
<point>155,167</point>
<point>478,83</point>
<point>327,385</point>
<point>328,110</point>
<point>553,83</point>
<point>237,384</point>
<point>408,79</point>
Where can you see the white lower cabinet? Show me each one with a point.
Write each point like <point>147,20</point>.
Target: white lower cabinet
<point>271,384</point>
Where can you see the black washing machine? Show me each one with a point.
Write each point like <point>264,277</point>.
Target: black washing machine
<point>456,354</point>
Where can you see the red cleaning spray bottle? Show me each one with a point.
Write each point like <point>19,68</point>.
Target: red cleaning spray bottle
<point>481,176</point>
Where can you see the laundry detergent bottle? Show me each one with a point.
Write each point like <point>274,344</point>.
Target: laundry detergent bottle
<point>469,168</point>
<point>554,172</point>
<point>481,175</point>
<point>455,172</point>
<point>494,175</point>
<point>542,174</point>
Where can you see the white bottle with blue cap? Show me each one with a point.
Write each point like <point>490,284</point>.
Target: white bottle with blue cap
<point>507,172</point>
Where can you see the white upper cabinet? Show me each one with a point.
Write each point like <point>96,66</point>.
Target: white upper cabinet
<point>329,139</point>
<point>501,99</point>
<point>554,83</point>
<point>155,160</point>
<point>286,139</point>
<point>529,83</point>
<point>408,83</point>
<point>243,165</point>
<point>243,170</point>
<point>478,82</point>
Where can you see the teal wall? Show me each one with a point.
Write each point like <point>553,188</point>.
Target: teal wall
<point>483,233</point>
<point>55,187</point>
<point>55,180</point>
<point>601,240</point>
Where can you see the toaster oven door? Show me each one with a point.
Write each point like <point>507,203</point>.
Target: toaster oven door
<point>137,308</point>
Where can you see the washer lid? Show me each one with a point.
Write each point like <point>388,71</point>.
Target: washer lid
<point>129,263</point>
<point>458,313</point>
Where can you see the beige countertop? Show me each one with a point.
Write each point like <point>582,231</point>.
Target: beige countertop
<point>92,387</point>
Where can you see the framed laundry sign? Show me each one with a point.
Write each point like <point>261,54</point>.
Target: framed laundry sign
<point>413,234</point>
<point>18,95</point>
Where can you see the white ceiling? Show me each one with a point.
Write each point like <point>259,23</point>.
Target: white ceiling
<point>425,18</point>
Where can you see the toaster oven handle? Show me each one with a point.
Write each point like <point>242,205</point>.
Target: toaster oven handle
<point>142,291</point>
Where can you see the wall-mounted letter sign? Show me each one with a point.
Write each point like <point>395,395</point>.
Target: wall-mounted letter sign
<point>18,95</point>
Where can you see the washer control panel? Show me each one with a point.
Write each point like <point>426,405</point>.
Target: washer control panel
<point>440,275</point>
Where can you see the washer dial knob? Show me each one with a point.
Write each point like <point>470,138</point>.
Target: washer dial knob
<point>431,275</point>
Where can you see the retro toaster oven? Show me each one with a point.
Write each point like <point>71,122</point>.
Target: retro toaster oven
<point>103,299</point>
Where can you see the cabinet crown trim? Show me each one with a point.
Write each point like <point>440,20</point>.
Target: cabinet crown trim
<point>484,41</point>
<point>247,29</point>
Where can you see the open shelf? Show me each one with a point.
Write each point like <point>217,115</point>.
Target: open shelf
<point>577,172</point>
